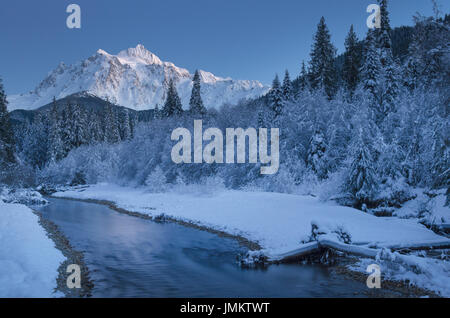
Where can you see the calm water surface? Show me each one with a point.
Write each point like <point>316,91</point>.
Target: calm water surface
<point>132,257</point>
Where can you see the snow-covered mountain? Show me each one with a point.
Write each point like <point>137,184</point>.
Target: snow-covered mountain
<point>134,78</point>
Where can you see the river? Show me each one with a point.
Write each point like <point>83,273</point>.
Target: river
<point>132,257</point>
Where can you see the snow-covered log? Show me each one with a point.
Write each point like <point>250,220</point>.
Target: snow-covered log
<point>314,247</point>
<point>306,249</point>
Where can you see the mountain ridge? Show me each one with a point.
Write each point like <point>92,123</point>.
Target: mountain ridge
<point>134,78</point>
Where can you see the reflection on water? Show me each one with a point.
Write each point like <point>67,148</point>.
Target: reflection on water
<point>132,257</point>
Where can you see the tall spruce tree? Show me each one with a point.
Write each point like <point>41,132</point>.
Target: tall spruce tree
<point>95,128</point>
<point>287,90</point>
<point>323,70</point>
<point>112,131</point>
<point>371,69</point>
<point>383,34</point>
<point>69,128</point>
<point>276,98</point>
<point>79,125</point>
<point>172,106</point>
<point>303,81</point>
<point>196,106</point>
<point>362,179</point>
<point>125,125</point>
<point>389,83</point>
<point>56,148</point>
<point>352,61</point>
<point>7,146</point>
<point>36,143</point>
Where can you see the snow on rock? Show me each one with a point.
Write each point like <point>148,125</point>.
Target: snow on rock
<point>29,260</point>
<point>278,222</point>
<point>135,78</point>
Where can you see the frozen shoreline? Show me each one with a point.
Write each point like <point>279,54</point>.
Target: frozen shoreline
<point>72,257</point>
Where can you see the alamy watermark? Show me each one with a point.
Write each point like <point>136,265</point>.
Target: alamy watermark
<point>74,19</point>
<point>374,19</point>
<point>74,279</point>
<point>374,279</point>
<point>236,141</point>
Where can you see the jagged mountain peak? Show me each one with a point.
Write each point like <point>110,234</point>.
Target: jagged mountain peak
<point>142,54</point>
<point>102,52</point>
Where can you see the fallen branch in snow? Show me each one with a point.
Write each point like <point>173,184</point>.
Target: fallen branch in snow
<point>305,250</point>
<point>321,243</point>
<point>421,247</point>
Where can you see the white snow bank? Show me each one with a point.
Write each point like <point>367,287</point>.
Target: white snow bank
<point>428,210</point>
<point>278,222</point>
<point>29,260</point>
<point>428,273</point>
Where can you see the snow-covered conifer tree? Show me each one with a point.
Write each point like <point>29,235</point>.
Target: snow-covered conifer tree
<point>172,106</point>
<point>124,123</point>
<point>56,147</point>
<point>196,106</point>
<point>287,87</point>
<point>362,176</point>
<point>303,81</point>
<point>352,61</point>
<point>112,132</point>
<point>79,125</point>
<point>371,72</point>
<point>316,153</point>
<point>323,71</point>
<point>67,133</point>
<point>36,143</point>
<point>276,98</point>
<point>7,146</point>
<point>389,87</point>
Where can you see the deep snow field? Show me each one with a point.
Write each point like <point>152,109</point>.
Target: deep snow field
<point>29,260</point>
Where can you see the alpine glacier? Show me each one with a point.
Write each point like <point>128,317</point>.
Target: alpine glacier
<point>134,78</point>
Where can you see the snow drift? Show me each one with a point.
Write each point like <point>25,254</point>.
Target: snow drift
<point>29,260</point>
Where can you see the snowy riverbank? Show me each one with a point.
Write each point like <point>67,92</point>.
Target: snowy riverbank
<point>282,223</point>
<point>29,260</point>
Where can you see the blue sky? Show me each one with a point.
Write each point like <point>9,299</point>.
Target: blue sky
<point>243,39</point>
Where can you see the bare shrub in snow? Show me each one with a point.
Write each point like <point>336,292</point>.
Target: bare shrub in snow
<point>22,196</point>
<point>156,181</point>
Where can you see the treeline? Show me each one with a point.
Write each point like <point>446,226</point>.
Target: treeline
<point>365,128</point>
<point>54,132</point>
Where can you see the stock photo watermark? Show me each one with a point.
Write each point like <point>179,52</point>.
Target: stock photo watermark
<point>374,279</point>
<point>74,279</point>
<point>213,152</point>
<point>74,19</point>
<point>374,19</point>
